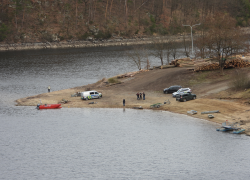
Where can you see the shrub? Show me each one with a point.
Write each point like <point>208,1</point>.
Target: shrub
<point>240,81</point>
<point>61,38</point>
<point>3,31</point>
<point>147,31</point>
<point>144,22</point>
<point>113,80</point>
<point>152,28</point>
<point>103,35</point>
<point>152,18</point>
<point>47,37</point>
<point>162,30</point>
<point>84,36</point>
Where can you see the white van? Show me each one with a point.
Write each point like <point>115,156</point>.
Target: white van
<point>86,95</point>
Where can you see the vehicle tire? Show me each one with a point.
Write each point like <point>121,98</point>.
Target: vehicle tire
<point>158,106</point>
<point>194,98</point>
<point>98,97</point>
<point>184,100</point>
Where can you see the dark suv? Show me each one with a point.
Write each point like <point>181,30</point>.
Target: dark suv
<point>171,89</point>
<point>185,97</point>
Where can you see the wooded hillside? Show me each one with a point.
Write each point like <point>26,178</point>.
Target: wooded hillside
<point>57,20</point>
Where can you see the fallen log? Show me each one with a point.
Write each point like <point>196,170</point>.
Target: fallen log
<point>167,66</point>
<point>157,67</point>
<point>209,112</point>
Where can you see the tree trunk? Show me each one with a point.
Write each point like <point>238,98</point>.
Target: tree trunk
<point>110,9</point>
<point>126,14</point>
<point>23,15</point>
<point>94,10</point>
<point>76,14</point>
<point>16,15</point>
<point>162,57</point>
<point>106,10</point>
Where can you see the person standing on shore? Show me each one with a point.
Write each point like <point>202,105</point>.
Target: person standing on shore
<point>123,102</point>
<point>48,89</point>
<point>137,95</point>
<point>143,96</point>
<point>140,95</point>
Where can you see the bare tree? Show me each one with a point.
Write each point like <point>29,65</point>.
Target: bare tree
<point>201,45</point>
<point>223,37</point>
<point>137,55</point>
<point>168,50</point>
<point>159,47</point>
<point>186,47</point>
<point>173,50</point>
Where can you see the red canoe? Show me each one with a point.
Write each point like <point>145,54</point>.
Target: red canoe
<point>49,106</point>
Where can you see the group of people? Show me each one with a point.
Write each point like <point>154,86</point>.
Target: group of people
<point>139,96</point>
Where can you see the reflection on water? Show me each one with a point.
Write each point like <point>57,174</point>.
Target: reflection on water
<point>102,143</point>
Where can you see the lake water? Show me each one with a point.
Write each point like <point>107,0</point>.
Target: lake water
<point>84,143</point>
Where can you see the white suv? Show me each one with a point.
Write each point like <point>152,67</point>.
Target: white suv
<point>182,90</point>
<point>86,95</point>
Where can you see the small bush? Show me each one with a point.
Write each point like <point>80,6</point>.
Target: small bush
<point>103,35</point>
<point>61,38</point>
<point>147,31</point>
<point>144,22</point>
<point>162,30</point>
<point>47,37</point>
<point>240,81</point>
<point>152,19</point>
<point>84,36</point>
<point>3,31</point>
<point>113,80</point>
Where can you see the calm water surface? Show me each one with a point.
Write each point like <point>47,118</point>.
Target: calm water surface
<point>102,143</point>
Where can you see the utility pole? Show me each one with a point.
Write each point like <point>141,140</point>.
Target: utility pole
<point>192,35</point>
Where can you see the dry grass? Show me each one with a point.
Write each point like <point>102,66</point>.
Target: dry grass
<point>240,80</point>
<point>114,81</point>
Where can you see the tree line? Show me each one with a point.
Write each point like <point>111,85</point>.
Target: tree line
<point>42,20</point>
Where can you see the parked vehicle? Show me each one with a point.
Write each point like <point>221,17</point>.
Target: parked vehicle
<point>185,90</point>
<point>171,89</point>
<point>185,97</point>
<point>86,95</point>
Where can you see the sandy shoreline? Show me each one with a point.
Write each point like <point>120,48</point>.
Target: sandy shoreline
<point>113,95</point>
